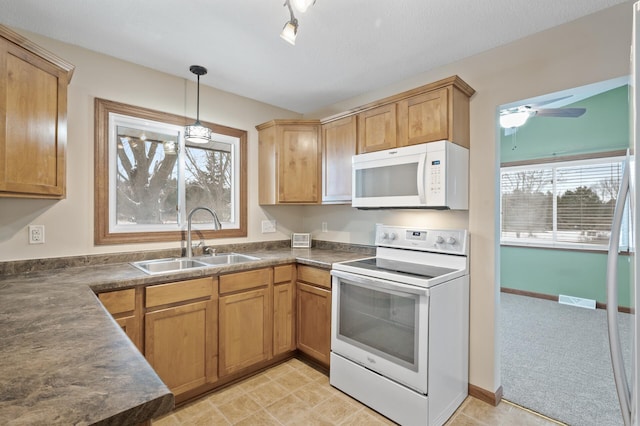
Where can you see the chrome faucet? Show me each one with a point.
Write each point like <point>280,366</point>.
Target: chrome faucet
<point>216,224</point>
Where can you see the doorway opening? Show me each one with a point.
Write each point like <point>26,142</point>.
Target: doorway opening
<point>560,167</point>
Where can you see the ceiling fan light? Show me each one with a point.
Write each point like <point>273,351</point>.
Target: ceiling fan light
<point>289,32</point>
<point>514,119</point>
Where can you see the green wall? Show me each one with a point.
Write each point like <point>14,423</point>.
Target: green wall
<point>554,272</point>
<point>603,127</point>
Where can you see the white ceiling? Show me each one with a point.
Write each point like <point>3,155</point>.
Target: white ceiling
<point>344,47</point>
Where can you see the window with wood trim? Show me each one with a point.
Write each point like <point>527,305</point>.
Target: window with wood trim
<point>565,204</point>
<point>147,178</point>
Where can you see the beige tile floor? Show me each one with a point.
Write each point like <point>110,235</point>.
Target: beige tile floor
<point>294,393</point>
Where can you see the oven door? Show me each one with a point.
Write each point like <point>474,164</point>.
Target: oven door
<point>382,325</point>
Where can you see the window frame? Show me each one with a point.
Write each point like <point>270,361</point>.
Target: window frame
<point>554,163</point>
<point>102,233</point>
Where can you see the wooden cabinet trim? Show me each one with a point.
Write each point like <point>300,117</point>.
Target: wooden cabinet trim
<point>30,46</point>
<point>177,292</point>
<point>245,280</point>
<point>454,81</point>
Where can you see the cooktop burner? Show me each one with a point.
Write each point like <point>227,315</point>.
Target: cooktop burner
<point>399,267</point>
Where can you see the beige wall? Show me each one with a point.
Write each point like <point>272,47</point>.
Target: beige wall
<point>585,51</point>
<point>69,223</point>
<point>592,49</point>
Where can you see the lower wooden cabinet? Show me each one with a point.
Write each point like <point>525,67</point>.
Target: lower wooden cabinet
<point>284,316</point>
<point>314,313</point>
<point>125,307</point>
<point>245,319</point>
<point>181,333</point>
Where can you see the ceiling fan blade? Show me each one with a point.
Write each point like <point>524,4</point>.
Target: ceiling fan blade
<point>561,112</point>
<point>548,101</point>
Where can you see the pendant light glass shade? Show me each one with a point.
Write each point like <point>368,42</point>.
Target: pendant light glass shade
<point>196,132</point>
<point>302,5</point>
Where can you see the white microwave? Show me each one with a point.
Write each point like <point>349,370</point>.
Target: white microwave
<point>432,175</point>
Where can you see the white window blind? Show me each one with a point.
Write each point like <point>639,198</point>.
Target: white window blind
<point>566,204</point>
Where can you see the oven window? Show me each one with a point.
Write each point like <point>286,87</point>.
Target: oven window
<point>383,322</point>
<point>388,181</point>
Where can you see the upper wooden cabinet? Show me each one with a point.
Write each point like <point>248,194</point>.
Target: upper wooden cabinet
<point>338,146</point>
<point>436,115</point>
<point>377,129</point>
<point>289,162</point>
<point>33,119</point>
<point>433,112</point>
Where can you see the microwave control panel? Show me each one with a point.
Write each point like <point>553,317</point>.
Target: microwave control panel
<point>451,241</point>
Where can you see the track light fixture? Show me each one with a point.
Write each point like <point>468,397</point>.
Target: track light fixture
<point>197,133</point>
<point>290,30</point>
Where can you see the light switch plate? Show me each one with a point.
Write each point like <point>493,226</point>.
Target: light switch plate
<point>268,226</point>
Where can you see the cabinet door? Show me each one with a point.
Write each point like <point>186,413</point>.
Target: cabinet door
<point>314,322</point>
<point>245,330</point>
<point>283,317</point>
<point>33,107</point>
<point>377,129</point>
<point>123,306</point>
<point>424,118</point>
<point>338,146</point>
<point>298,164</point>
<point>180,345</point>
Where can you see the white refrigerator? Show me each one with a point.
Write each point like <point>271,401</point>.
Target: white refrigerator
<point>626,375</point>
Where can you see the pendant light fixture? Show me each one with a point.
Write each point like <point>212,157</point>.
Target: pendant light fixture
<point>197,133</point>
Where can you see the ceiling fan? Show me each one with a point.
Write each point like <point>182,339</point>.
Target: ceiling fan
<point>512,118</point>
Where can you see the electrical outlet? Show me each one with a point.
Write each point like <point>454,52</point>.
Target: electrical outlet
<point>36,234</point>
<point>324,227</point>
<point>268,226</point>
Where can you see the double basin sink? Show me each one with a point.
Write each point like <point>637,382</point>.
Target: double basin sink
<point>163,266</point>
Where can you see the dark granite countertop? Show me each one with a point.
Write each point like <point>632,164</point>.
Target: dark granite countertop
<point>64,360</point>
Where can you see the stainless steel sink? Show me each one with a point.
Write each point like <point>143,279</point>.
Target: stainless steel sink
<point>226,259</point>
<point>163,266</point>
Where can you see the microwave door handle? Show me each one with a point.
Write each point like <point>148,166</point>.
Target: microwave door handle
<point>372,282</point>
<point>422,166</point>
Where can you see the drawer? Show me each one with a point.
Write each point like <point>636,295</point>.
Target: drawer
<point>177,292</point>
<point>245,280</point>
<point>316,276</point>
<point>282,274</point>
<point>119,301</point>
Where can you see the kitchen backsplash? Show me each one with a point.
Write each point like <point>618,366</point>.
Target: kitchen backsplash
<point>32,265</point>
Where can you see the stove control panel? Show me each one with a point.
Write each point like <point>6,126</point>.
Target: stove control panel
<point>450,241</point>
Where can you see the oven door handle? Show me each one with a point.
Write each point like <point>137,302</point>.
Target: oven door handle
<point>372,282</point>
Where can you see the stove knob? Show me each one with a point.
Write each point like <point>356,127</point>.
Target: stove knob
<point>393,236</point>
<point>384,235</point>
<point>451,240</point>
<point>439,240</point>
